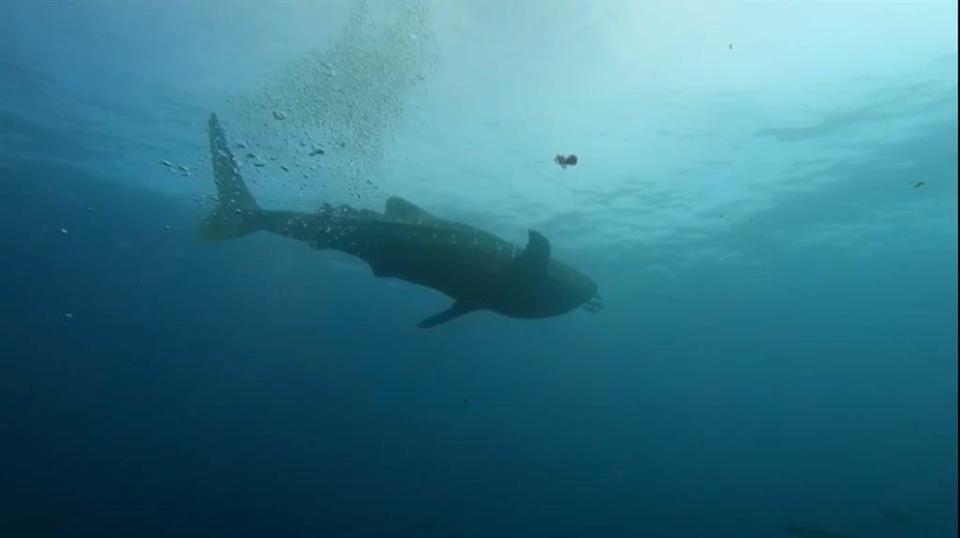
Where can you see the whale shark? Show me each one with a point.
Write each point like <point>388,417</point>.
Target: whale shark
<point>476,269</point>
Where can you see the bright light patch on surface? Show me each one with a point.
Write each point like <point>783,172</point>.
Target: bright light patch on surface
<point>688,118</point>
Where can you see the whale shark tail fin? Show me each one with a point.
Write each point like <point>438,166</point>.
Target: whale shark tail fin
<point>236,208</point>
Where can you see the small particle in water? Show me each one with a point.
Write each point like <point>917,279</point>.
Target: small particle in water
<point>242,145</point>
<point>64,231</point>
<point>259,164</point>
<point>918,184</point>
<point>168,164</point>
<point>565,160</point>
<point>68,315</point>
<point>279,114</point>
<point>184,168</point>
<point>730,46</point>
<point>317,151</point>
<point>90,209</point>
<point>284,168</point>
<point>251,155</point>
<point>167,227</point>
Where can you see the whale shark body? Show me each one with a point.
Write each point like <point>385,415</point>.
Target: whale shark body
<point>477,269</point>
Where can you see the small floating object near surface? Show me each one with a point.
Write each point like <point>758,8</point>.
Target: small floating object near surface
<point>566,160</point>
<point>279,115</point>
<point>64,231</point>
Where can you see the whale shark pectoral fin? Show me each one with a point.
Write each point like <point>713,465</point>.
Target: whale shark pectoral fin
<point>401,210</point>
<point>456,310</point>
<point>535,259</point>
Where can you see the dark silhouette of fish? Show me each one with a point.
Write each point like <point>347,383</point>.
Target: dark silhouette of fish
<point>566,160</point>
<point>477,269</point>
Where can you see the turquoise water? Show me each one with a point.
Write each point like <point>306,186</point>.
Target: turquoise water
<point>765,193</point>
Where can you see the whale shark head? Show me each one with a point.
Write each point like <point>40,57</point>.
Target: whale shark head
<point>568,289</point>
<point>545,287</point>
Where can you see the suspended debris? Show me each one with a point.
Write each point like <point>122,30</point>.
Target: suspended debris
<point>565,160</point>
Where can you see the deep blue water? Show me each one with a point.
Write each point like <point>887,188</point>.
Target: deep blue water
<point>793,363</point>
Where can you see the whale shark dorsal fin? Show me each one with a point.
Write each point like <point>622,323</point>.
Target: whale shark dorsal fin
<point>456,310</point>
<point>536,257</point>
<point>400,210</point>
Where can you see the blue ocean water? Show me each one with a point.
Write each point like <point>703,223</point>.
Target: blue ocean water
<point>766,194</point>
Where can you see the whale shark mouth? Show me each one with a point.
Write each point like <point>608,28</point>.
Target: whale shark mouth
<point>594,304</point>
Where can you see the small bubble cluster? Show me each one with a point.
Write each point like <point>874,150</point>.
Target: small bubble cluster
<point>330,113</point>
